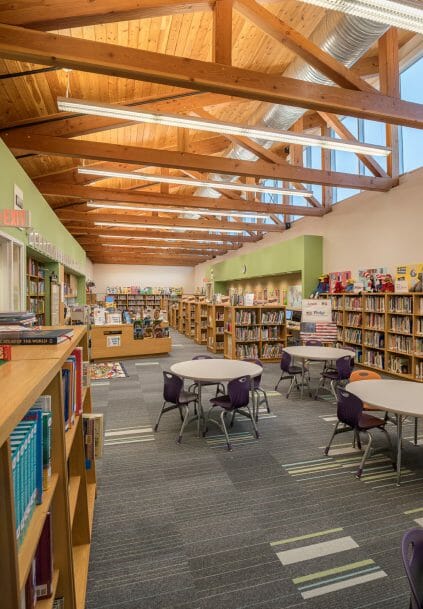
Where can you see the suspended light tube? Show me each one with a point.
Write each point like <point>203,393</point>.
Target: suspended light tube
<point>252,227</point>
<point>200,124</point>
<point>171,210</point>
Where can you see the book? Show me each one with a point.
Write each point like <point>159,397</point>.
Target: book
<point>66,397</point>
<point>47,422</point>
<point>96,429</point>
<point>78,355</point>
<point>26,318</point>
<point>44,562</point>
<point>5,353</point>
<point>30,592</point>
<point>35,337</point>
<point>36,415</point>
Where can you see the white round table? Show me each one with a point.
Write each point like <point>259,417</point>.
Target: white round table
<point>213,371</point>
<point>312,352</point>
<point>403,398</point>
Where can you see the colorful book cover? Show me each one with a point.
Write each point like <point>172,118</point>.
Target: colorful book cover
<point>44,562</point>
<point>78,355</point>
<point>66,397</point>
<point>47,421</point>
<point>36,415</point>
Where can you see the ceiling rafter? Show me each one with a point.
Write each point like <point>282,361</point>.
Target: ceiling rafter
<point>140,233</point>
<point>136,155</point>
<point>191,245</point>
<point>105,58</point>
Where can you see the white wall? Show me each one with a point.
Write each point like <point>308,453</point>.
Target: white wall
<point>89,269</point>
<point>152,276</point>
<point>369,230</point>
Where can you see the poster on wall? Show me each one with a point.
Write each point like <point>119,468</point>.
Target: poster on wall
<point>369,278</point>
<point>409,278</point>
<point>294,296</point>
<point>313,310</point>
<point>316,321</point>
<point>336,278</point>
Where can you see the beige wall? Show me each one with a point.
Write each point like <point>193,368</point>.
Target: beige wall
<point>369,230</point>
<point>107,275</point>
<point>280,282</point>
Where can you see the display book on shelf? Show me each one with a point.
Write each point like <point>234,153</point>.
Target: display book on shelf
<point>215,327</point>
<point>385,330</point>
<point>36,290</point>
<point>50,378</point>
<point>254,332</point>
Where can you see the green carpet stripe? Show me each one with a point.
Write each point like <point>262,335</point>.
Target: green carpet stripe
<point>414,511</point>
<point>333,571</point>
<point>346,576</point>
<point>308,536</point>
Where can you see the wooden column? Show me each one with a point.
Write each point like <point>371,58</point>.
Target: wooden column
<point>389,78</point>
<point>327,191</point>
<point>222,32</point>
<point>295,150</point>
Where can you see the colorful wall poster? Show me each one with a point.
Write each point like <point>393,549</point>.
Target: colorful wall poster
<point>294,297</point>
<point>368,277</point>
<point>407,277</point>
<point>341,276</point>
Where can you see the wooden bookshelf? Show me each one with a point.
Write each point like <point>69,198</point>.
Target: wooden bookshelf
<point>190,320</point>
<point>183,315</point>
<point>201,316</point>
<point>124,302</point>
<point>215,328</point>
<point>36,290</point>
<point>389,334</point>
<point>35,371</point>
<point>254,332</point>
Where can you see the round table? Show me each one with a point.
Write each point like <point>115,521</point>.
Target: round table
<point>403,398</point>
<point>312,352</point>
<point>213,371</point>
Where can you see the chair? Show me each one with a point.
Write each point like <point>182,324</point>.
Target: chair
<point>238,398</point>
<point>365,375</point>
<point>350,413</point>
<point>175,397</point>
<point>412,558</point>
<point>313,342</point>
<point>220,388</point>
<point>257,390</point>
<point>342,373</point>
<point>289,371</point>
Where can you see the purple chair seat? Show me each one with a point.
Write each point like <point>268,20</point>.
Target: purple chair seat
<point>185,397</point>
<point>295,370</point>
<point>330,374</point>
<point>224,401</point>
<point>368,421</point>
<point>412,558</point>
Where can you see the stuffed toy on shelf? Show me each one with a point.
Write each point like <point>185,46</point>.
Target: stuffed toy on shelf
<point>350,286</point>
<point>322,286</point>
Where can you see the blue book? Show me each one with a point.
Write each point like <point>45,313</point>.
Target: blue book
<point>15,446</point>
<point>36,415</point>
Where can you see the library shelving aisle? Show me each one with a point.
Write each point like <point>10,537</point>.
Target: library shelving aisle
<point>36,371</point>
<point>201,323</point>
<point>215,328</point>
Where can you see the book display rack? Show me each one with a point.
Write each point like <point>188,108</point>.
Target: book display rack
<point>254,332</point>
<point>68,499</point>
<point>215,328</point>
<point>385,330</point>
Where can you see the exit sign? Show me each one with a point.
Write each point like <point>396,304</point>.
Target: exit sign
<point>16,218</point>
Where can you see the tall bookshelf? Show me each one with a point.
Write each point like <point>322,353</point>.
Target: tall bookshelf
<point>385,330</point>
<point>201,315</point>
<point>35,371</point>
<point>254,332</point>
<point>36,290</point>
<point>190,320</point>
<point>215,328</point>
<point>125,302</point>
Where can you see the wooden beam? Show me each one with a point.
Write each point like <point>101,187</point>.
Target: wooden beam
<point>143,260</point>
<point>327,191</point>
<point>133,250</point>
<point>210,164</point>
<point>222,32</point>
<point>143,233</point>
<point>114,195</point>
<point>177,245</point>
<point>60,14</point>
<point>301,46</point>
<point>104,58</point>
<point>101,215</point>
<point>389,79</point>
<point>339,127</point>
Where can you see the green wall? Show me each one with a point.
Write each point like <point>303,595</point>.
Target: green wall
<point>303,254</point>
<point>43,218</point>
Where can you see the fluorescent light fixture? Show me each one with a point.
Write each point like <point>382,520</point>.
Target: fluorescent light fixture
<point>253,227</point>
<point>145,177</point>
<point>405,14</point>
<point>171,210</point>
<point>201,124</point>
<point>142,238</point>
<point>158,247</point>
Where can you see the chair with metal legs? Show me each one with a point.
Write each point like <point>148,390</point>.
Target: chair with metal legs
<point>289,371</point>
<point>335,377</point>
<point>352,418</point>
<point>220,388</point>
<point>412,558</point>
<point>236,401</point>
<point>259,395</point>
<point>175,397</point>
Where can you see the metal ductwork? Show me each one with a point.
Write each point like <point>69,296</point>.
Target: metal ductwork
<point>343,36</point>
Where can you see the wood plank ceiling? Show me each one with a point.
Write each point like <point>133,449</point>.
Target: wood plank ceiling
<point>222,59</point>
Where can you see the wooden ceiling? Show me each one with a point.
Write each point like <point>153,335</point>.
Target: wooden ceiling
<point>223,59</point>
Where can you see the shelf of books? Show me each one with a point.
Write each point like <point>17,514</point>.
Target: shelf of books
<point>174,316</point>
<point>48,441</point>
<point>183,316</point>
<point>215,328</point>
<point>385,330</point>
<point>190,320</point>
<point>201,317</point>
<point>254,332</point>
<point>36,290</point>
<point>125,302</point>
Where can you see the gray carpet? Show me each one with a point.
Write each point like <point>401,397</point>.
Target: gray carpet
<point>272,525</point>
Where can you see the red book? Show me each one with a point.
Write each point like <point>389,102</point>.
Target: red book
<point>44,562</point>
<point>30,595</point>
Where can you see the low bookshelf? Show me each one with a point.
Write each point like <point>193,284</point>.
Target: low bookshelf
<point>33,372</point>
<point>252,332</point>
<point>215,327</point>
